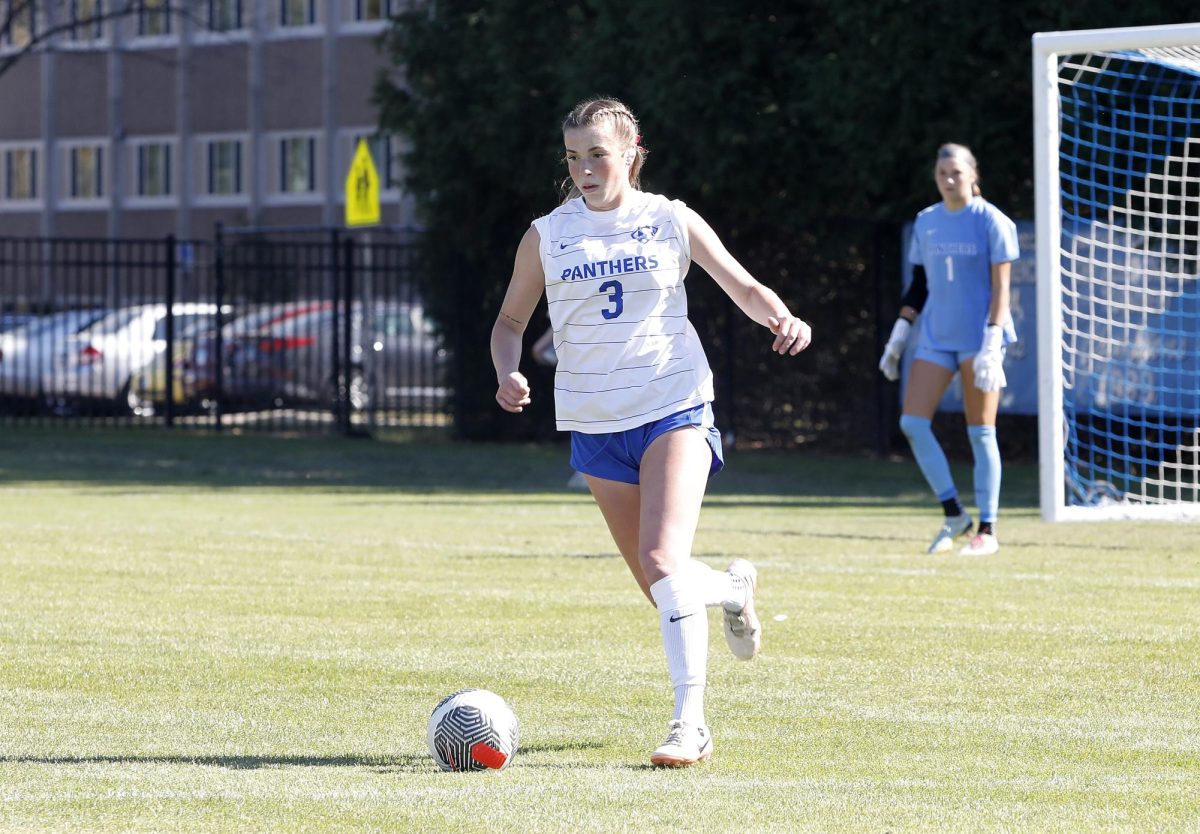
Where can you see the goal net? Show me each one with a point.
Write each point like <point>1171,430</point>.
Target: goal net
<point>1117,147</point>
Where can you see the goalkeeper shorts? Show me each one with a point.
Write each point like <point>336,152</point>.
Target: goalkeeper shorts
<point>951,360</point>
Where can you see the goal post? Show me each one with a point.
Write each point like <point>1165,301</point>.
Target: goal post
<point>1117,189</point>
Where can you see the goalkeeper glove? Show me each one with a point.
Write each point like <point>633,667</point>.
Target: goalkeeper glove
<point>889,363</point>
<point>989,362</point>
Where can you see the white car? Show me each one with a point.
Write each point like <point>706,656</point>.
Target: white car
<point>28,352</point>
<point>97,363</point>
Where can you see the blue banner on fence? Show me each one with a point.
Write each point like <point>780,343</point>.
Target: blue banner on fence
<point>1130,311</point>
<point>1020,360</point>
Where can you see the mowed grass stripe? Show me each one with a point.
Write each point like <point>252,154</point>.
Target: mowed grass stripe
<point>248,634</point>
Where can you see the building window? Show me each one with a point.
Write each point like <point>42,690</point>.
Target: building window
<point>296,13</point>
<point>86,22</point>
<point>373,9</point>
<point>224,166</point>
<point>154,19</point>
<point>298,165</point>
<point>224,15</point>
<point>20,174</point>
<point>153,170</point>
<point>18,23</point>
<point>85,172</point>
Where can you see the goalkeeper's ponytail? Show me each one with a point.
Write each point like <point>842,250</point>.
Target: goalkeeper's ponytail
<point>963,154</point>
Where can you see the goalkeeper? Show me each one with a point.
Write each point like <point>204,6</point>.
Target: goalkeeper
<point>962,250</point>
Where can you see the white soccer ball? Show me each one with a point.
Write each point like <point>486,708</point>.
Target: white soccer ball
<point>473,729</point>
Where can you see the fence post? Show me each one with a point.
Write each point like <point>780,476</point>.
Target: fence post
<point>347,347</point>
<point>169,356</point>
<point>341,267</point>
<point>218,348</point>
<point>885,393</point>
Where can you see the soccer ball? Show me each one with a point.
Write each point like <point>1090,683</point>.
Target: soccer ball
<point>473,729</point>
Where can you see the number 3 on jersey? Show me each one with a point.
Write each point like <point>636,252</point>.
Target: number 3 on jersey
<point>613,289</point>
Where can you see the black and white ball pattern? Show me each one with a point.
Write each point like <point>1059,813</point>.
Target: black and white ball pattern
<point>473,729</point>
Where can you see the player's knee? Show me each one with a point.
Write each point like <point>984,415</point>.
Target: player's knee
<point>912,425</point>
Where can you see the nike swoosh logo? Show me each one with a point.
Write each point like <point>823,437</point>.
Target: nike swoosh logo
<point>676,619</point>
<point>562,246</point>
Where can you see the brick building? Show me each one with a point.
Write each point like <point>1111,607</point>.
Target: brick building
<point>174,117</point>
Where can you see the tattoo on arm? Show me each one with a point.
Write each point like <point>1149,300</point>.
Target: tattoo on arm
<point>510,318</point>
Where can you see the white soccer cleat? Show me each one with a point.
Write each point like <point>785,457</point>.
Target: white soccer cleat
<point>743,631</point>
<point>953,527</point>
<point>686,745</point>
<point>984,544</point>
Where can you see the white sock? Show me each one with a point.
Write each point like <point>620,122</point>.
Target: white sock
<point>717,587</point>
<point>684,626</point>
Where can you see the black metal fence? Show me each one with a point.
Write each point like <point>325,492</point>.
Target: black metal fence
<point>328,330</point>
<point>297,329</point>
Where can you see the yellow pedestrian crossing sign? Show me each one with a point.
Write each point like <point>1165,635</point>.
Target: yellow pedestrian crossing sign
<point>362,189</point>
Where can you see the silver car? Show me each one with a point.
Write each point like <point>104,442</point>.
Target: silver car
<point>97,363</point>
<point>29,351</point>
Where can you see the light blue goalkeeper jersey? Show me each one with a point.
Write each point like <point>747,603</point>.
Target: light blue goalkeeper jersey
<point>957,249</point>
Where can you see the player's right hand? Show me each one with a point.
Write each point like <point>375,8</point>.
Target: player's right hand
<point>513,393</point>
<point>889,363</point>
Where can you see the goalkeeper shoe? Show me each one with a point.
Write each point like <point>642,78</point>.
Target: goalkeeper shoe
<point>953,527</point>
<point>686,744</point>
<point>743,631</point>
<point>984,544</point>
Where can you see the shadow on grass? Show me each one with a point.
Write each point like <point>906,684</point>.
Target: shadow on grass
<point>382,764</point>
<point>386,763</point>
<point>153,459</point>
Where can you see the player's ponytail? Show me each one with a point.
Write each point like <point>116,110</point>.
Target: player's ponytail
<point>963,154</point>
<point>624,128</point>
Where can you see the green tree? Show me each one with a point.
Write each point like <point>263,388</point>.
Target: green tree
<point>804,132</point>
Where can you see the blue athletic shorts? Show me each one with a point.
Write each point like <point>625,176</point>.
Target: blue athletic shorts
<point>617,456</point>
<point>951,360</point>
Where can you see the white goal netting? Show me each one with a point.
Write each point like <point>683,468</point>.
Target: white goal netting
<point>1122,364</point>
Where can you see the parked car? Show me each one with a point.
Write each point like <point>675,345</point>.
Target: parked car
<point>11,321</point>
<point>395,359</point>
<point>28,352</point>
<point>98,363</point>
<point>194,378</point>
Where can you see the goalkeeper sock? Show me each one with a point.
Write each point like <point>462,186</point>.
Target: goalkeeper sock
<point>987,470</point>
<point>930,457</point>
<point>952,507</point>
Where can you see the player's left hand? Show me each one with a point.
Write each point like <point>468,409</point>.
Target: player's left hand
<point>791,335</point>
<point>988,364</point>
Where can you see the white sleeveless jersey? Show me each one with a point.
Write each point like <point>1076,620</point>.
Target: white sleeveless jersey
<point>627,354</point>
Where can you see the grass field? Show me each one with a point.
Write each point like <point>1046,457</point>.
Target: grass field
<point>248,634</point>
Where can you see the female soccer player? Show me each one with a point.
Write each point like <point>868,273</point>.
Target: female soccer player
<point>962,250</point>
<point>633,386</point>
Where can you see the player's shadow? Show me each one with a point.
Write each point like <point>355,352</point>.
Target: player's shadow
<point>527,750</point>
<point>378,763</point>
